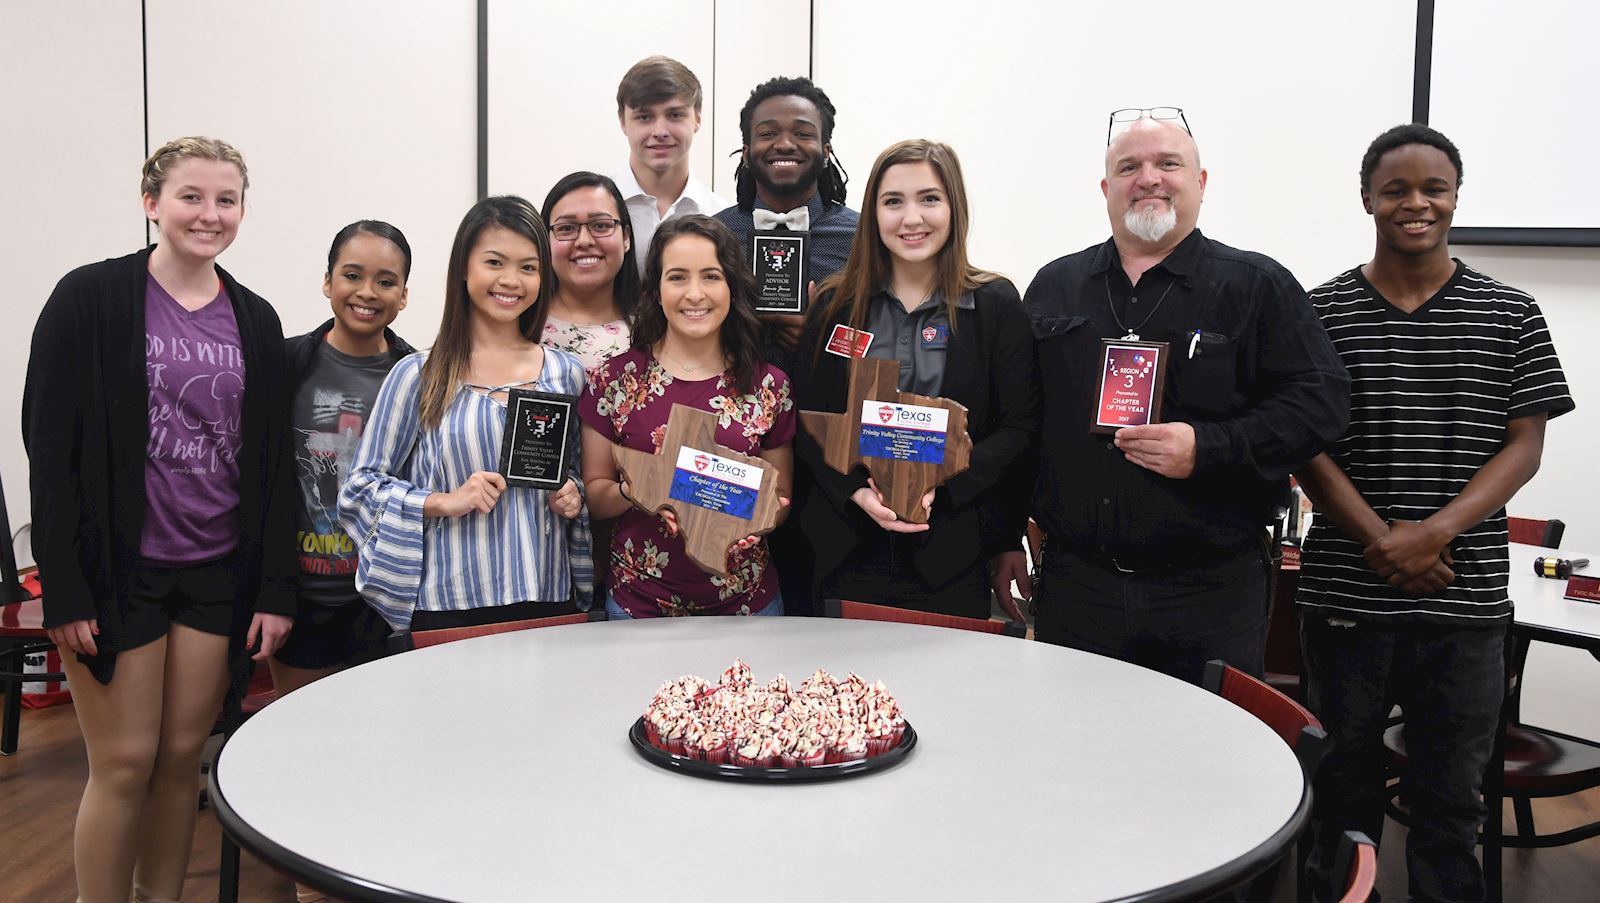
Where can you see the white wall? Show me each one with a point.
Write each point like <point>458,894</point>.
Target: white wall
<point>553,74</point>
<point>343,111</point>
<point>70,102</point>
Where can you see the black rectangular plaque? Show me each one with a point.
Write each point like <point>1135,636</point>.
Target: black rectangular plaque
<point>534,451</point>
<point>778,258</point>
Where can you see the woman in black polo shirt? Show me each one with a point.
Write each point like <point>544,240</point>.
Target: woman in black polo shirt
<point>958,332</point>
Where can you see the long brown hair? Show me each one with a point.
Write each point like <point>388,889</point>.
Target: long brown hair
<point>741,329</point>
<point>446,367</point>
<point>869,265</point>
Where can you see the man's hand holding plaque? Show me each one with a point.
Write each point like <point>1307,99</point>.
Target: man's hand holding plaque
<point>910,444</point>
<point>716,497</point>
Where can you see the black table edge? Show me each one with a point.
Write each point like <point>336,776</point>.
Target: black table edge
<point>308,871</point>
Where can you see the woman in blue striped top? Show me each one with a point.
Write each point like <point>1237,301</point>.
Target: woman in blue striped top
<point>443,541</point>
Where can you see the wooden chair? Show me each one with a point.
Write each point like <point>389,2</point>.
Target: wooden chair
<point>405,641</point>
<point>21,635</point>
<point>866,611</point>
<point>1538,762</point>
<point>1529,531</point>
<point>1357,861</point>
<point>1289,720</point>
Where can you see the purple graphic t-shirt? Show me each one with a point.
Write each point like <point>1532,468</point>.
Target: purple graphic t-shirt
<point>195,370</point>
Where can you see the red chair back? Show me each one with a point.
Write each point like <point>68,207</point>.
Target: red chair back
<point>1529,531</point>
<point>1287,718</point>
<point>866,611</point>
<point>1362,874</point>
<point>422,638</point>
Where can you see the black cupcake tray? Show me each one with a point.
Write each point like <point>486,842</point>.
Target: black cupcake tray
<point>802,775</point>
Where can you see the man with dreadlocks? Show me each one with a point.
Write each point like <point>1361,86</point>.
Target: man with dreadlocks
<point>789,179</point>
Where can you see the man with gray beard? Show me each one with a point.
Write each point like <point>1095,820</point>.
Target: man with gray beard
<point>1157,551</point>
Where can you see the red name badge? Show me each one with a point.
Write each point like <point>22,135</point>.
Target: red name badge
<point>1583,589</point>
<point>847,342</point>
<point>1132,376</point>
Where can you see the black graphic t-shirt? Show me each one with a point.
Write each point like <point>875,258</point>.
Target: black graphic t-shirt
<point>330,414</point>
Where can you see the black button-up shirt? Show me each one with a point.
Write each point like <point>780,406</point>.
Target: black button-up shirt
<point>1249,367</point>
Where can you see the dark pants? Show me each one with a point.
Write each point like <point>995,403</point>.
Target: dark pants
<point>1450,681</point>
<point>1171,620</point>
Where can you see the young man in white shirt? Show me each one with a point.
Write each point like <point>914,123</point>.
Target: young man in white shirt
<point>658,105</point>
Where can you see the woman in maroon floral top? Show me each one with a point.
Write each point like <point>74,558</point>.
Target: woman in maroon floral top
<point>697,342</point>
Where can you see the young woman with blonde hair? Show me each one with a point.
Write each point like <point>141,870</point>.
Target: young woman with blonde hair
<point>154,419</point>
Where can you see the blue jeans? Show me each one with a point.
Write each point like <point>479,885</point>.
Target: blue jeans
<point>614,611</point>
<point>1450,682</point>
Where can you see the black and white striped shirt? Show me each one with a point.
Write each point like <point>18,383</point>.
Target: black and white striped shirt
<point>1431,392</point>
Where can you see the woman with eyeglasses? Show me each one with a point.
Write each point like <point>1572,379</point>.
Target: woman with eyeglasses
<point>595,289</point>
<point>958,332</point>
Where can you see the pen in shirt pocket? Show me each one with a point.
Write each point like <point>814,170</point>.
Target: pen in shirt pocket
<point>1194,342</point>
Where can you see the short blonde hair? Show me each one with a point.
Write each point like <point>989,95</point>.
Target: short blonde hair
<point>169,155</point>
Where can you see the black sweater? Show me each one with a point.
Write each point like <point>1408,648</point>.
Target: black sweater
<point>301,353</point>
<point>86,426</point>
<point>989,368</point>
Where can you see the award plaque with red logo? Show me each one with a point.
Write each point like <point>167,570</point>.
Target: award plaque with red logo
<point>718,495</point>
<point>534,448</point>
<point>778,258</point>
<point>909,443</point>
<point>1132,375</point>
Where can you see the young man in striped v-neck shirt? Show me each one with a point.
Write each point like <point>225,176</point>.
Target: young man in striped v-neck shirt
<point>1403,582</point>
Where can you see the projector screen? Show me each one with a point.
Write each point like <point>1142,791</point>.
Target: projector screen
<point>1513,86</point>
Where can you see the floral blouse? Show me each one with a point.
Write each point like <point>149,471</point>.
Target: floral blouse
<point>594,345</point>
<point>628,400</point>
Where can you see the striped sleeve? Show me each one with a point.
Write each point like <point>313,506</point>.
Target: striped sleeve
<point>379,508</point>
<point>580,538</point>
<point>1537,385</point>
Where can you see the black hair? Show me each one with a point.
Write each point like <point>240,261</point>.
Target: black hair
<point>1400,136</point>
<point>624,288</point>
<point>371,227</point>
<point>448,360</point>
<point>741,329</point>
<point>831,183</point>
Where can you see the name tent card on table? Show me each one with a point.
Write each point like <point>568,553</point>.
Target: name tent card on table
<point>909,443</point>
<point>718,495</point>
<point>1132,375</point>
<point>1582,588</point>
<point>778,259</point>
<point>534,447</point>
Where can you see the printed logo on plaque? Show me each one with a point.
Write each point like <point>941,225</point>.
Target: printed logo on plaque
<point>1132,375</point>
<point>538,432</point>
<point>778,259</point>
<point>715,483</point>
<point>903,432</point>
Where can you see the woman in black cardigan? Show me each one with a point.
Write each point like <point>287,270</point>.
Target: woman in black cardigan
<point>154,420</point>
<point>959,333</point>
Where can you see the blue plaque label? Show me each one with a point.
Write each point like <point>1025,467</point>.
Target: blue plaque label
<point>903,432</point>
<point>716,483</point>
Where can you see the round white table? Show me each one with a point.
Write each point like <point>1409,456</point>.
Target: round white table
<point>499,768</point>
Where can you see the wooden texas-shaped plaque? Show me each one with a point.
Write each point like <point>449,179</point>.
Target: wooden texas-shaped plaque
<point>896,434</point>
<point>718,495</point>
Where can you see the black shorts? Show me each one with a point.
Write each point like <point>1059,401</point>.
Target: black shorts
<point>332,636</point>
<point>200,596</point>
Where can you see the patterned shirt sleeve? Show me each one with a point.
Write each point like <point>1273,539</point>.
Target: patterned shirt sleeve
<point>380,509</point>
<point>1538,384</point>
